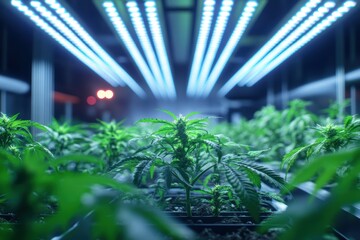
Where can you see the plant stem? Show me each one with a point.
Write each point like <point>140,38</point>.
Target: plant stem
<point>188,203</point>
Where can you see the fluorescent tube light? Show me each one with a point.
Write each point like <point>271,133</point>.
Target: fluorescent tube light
<point>218,32</point>
<point>201,44</point>
<point>125,36</point>
<point>234,39</point>
<point>61,27</point>
<point>81,32</point>
<point>279,35</point>
<point>145,43</point>
<point>61,40</point>
<point>157,36</point>
<point>324,24</point>
<point>290,39</point>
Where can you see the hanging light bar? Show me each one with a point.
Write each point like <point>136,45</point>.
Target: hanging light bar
<point>125,36</point>
<point>235,37</point>
<point>113,78</point>
<point>218,33</point>
<point>80,31</point>
<point>205,25</point>
<point>61,40</point>
<point>315,17</point>
<point>324,24</point>
<point>62,28</point>
<point>279,35</point>
<point>145,43</point>
<point>157,36</point>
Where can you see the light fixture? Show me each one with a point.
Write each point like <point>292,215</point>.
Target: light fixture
<point>114,78</point>
<point>234,39</point>
<point>145,43</point>
<point>123,33</point>
<point>216,37</point>
<point>71,36</point>
<point>91,100</point>
<point>61,40</point>
<point>201,43</point>
<point>277,38</point>
<point>101,94</point>
<point>109,94</point>
<point>155,28</point>
<point>291,38</point>
<point>316,30</point>
<point>73,23</point>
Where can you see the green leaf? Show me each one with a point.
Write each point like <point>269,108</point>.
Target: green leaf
<point>170,114</point>
<point>267,175</point>
<point>290,157</point>
<point>202,172</point>
<point>245,190</point>
<point>182,180</point>
<point>141,170</point>
<point>191,114</point>
<point>155,120</point>
<point>252,175</point>
<point>327,165</point>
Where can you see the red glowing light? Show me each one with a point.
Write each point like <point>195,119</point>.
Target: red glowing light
<point>101,94</point>
<point>91,100</point>
<point>109,94</point>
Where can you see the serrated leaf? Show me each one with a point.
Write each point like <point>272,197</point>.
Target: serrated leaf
<point>141,170</point>
<point>245,190</point>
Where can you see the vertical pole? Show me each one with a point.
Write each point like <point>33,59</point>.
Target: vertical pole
<point>42,81</point>
<point>340,71</point>
<point>353,99</point>
<point>3,102</point>
<point>68,111</point>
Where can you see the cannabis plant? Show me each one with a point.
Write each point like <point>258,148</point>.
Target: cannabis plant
<point>330,138</point>
<point>245,176</point>
<point>15,135</point>
<point>184,151</point>
<point>220,196</point>
<point>73,205</point>
<point>297,125</point>
<point>110,142</point>
<point>309,219</point>
<point>63,139</point>
<point>336,111</point>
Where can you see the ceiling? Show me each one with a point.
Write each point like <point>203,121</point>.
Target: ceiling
<point>180,21</point>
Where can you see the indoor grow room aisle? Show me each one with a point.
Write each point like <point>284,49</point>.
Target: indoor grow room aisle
<point>178,179</point>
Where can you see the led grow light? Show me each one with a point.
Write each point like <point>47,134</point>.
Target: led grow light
<point>155,28</point>
<point>60,39</point>
<point>80,31</point>
<point>299,31</point>
<point>145,43</point>
<point>201,43</point>
<point>279,35</point>
<point>125,36</point>
<point>62,28</point>
<point>324,24</point>
<point>230,46</point>
<point>218,33</point>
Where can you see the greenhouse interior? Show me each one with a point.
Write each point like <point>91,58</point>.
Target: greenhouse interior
<point>180,119</point>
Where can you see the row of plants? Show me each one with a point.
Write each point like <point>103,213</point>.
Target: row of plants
<point>164,176</point>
